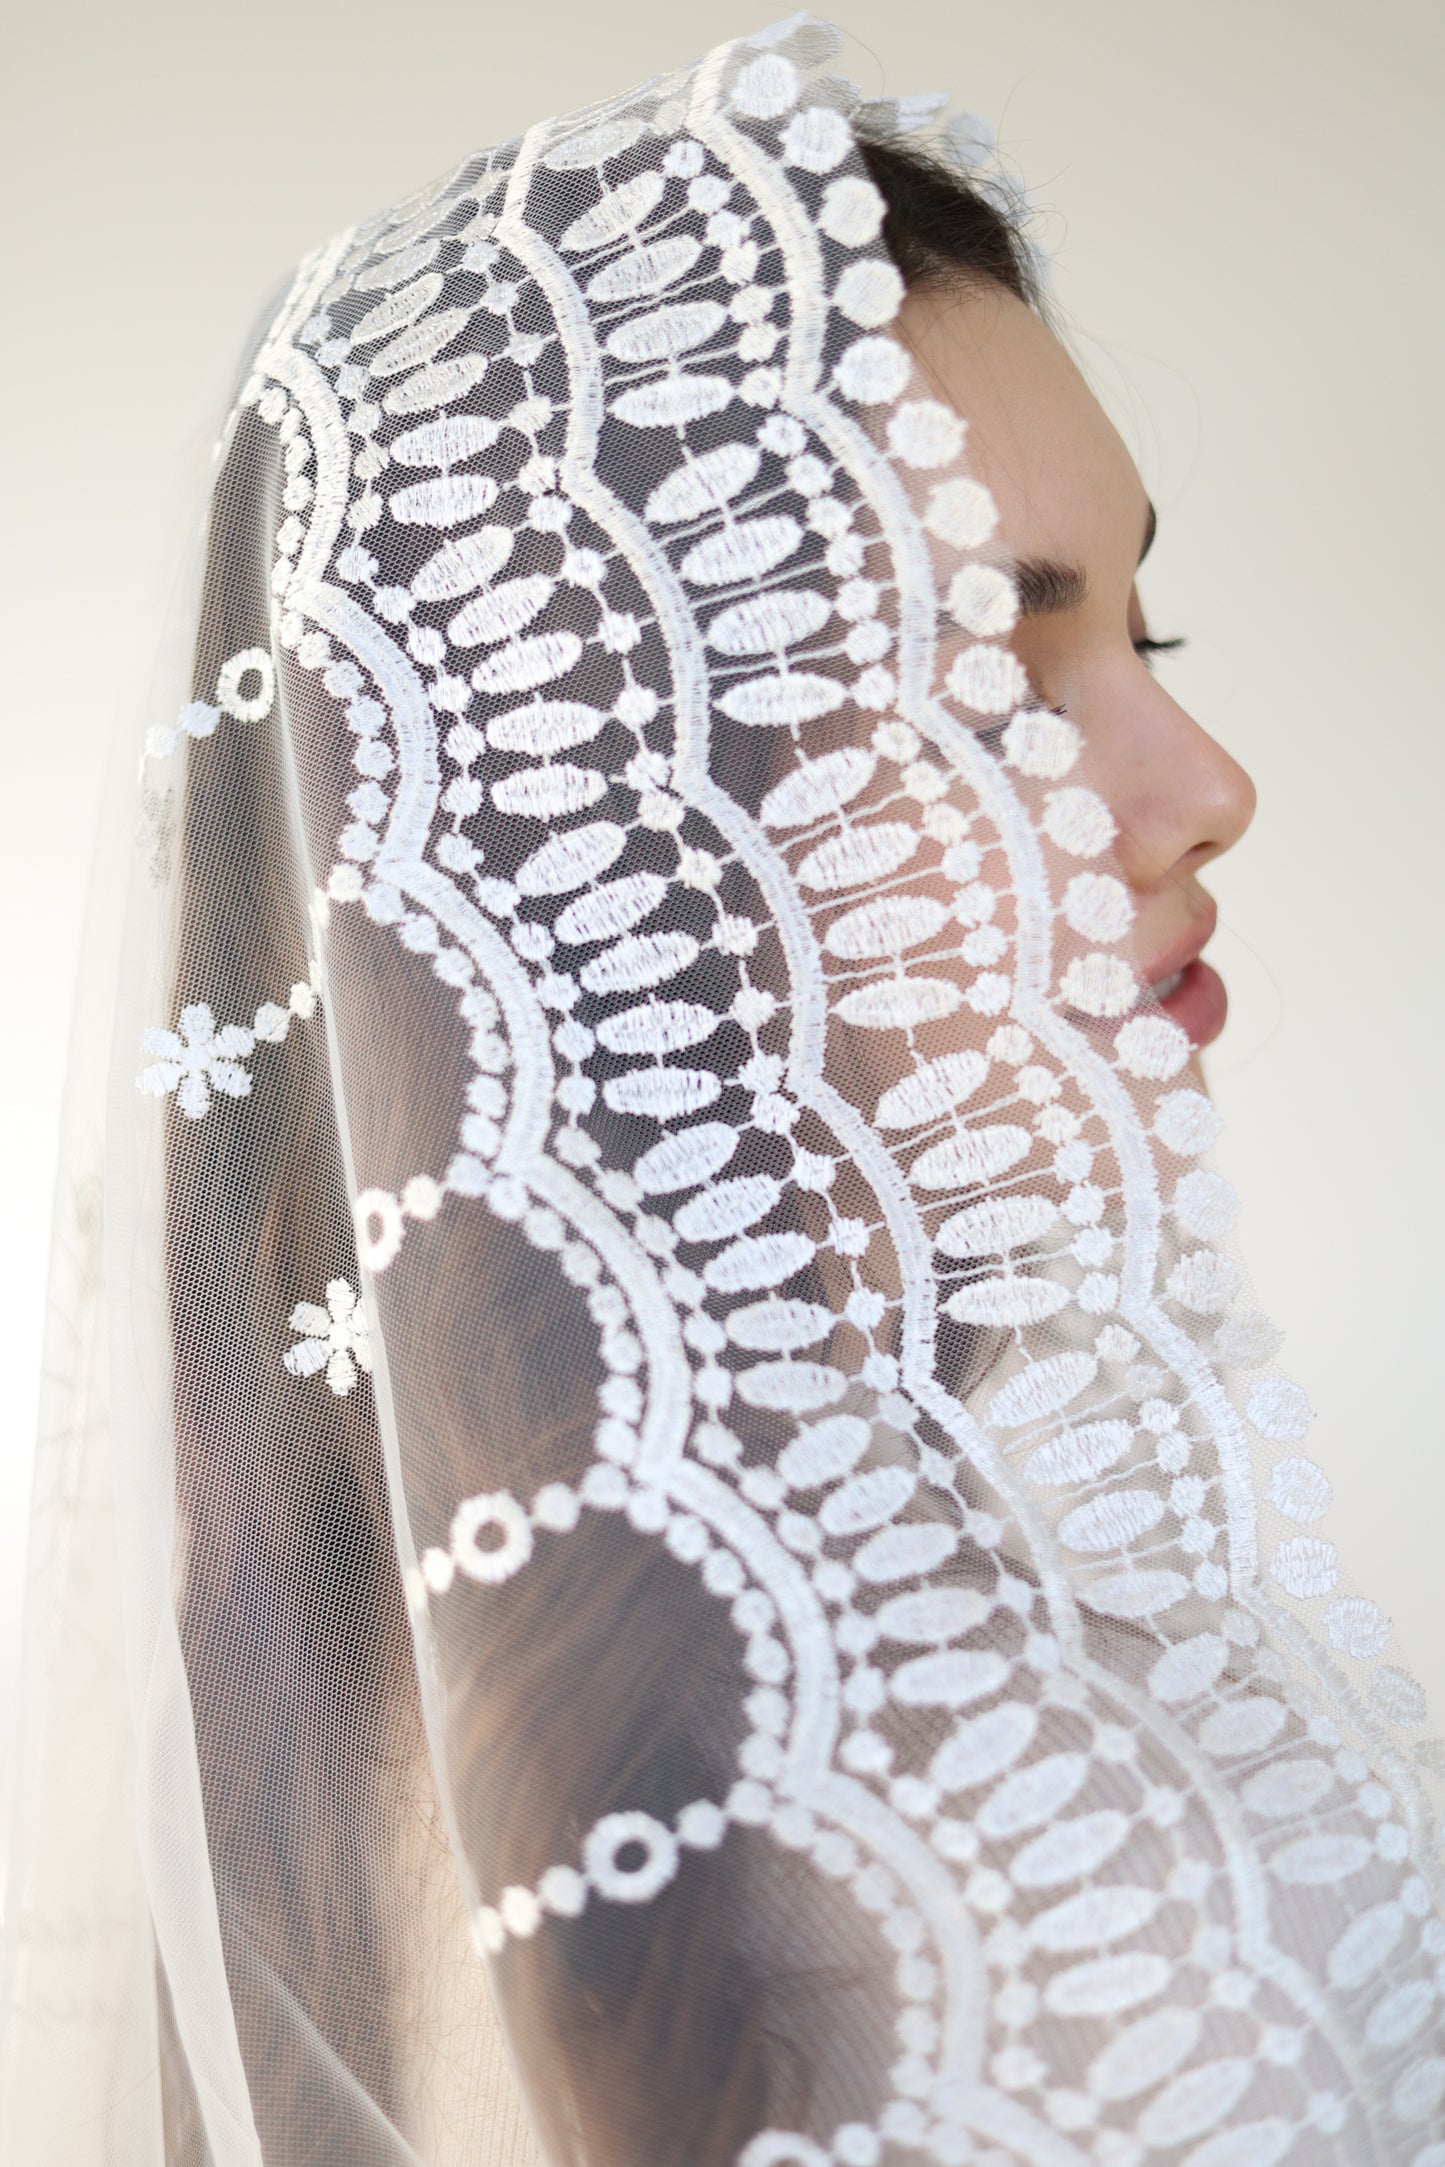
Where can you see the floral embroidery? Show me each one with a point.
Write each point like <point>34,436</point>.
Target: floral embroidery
<point>197,1060</point>
<point>336,1339</point>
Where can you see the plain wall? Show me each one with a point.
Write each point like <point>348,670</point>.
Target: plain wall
<point>1247,200</point>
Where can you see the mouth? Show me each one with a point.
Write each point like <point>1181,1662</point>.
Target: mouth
<point>1180,984</point>
<point>1189,990</point>
<point>1194,998</point>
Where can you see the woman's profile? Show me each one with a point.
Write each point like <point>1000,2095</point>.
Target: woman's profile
<point>709,1566</point>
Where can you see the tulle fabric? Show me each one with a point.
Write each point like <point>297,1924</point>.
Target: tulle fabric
<point>665,1533</point>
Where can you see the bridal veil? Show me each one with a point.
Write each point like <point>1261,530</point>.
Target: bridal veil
<point>663,1515</point>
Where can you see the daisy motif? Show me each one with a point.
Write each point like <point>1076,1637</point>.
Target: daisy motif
<point>197,1060</point>
<point>336,1338</point>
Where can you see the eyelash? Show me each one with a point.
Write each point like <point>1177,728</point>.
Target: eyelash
<point>1146,647</point>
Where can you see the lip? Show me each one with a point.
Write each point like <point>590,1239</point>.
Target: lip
<point>1197,1000</point>
<point>1185,948</point>
<point>1199,1003</point>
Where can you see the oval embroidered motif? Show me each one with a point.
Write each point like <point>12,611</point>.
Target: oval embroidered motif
<point>779,1327</point>
<point>612,909</point>
<point>1078,1455</point>
<point>1365,1945</point>
<point>1111,1522</point>
<point>445,502</point>
<point>1107,1986</point>
<point>544,793</point>
<point>769,622</point>
<point>1071,1850</point>
<point>994,1228</point>
<point>1144,2054</point>
<point>1288,1788</point>
<point>1042,1387</point>
<point>396,270</point>
<point>594,146</point>
<point>662,1094</point>
<point>1320,1860</point>
<point>460,566</point>
<point>973,1155</point>
<point>932,1091</point>
<point>904,1553</point>
<point>932,1614</point>
<point>570,861</point>
<point>744,551</point>
<point>983,1748</point>
<point>728,1208</point>
<point>1141,1594</point>
<point>664,333</point>
<point>705,484</point>
<point>1197,2102</point>
<point>884,927</point>
<point>791,1387</point>
<point>1099,1915</point>
<point>758,1260</point>
<point>865,1501</point>
<point>859,854</point>
<point>681,1162</point>
<point>527,663</point>
<point>818,788</point>
<point>437,384</point>
<point>797,697</point>
<point>899,1004</point>
<point>672,403</point>
<point>1244,1726</point>
<point>546,727</point>
<point>423,342</point>
<point>641,959</point>
<point>1033,1795</point>
<point>499,613</point>
<point>618,212</point>
<point>948,1680</point>
<point>824,1451</point>
<point>1189,1669</point>
<point>446,443</point>
<point>399,308</point>
<point>1007,1301</point>
<point>658,1027</point>
<point>644,270</point>
<point>1399,2015</point>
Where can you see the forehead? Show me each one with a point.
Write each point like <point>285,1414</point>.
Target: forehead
<point>1064,482</point>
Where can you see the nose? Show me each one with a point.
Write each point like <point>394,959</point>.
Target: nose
<point>1178,797</point>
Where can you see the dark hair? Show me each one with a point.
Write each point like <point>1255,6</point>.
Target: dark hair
<point>321,1740</point>
<point>939,228</point>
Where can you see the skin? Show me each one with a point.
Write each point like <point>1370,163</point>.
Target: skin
<point>1076,521</point>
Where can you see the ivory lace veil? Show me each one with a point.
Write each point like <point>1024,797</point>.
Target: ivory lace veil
<point>665,1536</point>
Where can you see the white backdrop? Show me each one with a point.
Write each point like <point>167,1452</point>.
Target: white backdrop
<point>1248,209</point>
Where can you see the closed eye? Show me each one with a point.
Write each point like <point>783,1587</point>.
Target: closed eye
<point>1146,648</point>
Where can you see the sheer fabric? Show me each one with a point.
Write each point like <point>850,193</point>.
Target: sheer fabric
<point>665,1533</point>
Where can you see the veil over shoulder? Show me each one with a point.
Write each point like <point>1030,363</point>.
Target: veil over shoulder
<point>668,1538</point>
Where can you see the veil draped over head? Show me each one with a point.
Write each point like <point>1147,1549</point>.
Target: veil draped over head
<point>665,1538</point>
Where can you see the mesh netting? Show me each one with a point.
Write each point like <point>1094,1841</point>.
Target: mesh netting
<point>713,1566</point>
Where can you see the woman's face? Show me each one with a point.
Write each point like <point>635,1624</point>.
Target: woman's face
<point>1076,523</point>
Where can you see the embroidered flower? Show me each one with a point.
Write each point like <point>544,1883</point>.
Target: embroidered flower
<point>196,1061</point>
<point>336,1338</point>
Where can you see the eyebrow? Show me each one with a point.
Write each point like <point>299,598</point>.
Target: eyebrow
<point>1046,588</point>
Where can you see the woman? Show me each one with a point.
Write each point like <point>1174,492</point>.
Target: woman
<point>672,957</point>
